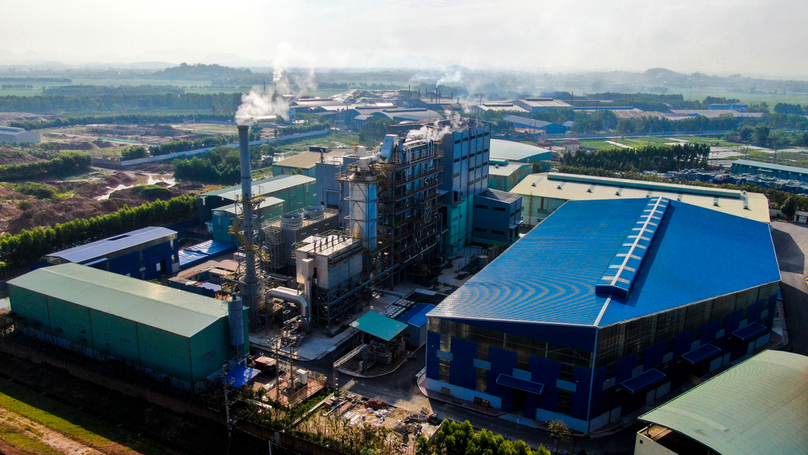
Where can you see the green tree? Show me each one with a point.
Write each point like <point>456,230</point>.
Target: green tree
<point>789,207</point>
<point>760,135</point>
<point>560,432</point>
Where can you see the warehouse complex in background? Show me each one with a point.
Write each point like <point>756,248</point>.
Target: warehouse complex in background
<point>604,307</point>
<point>146,253</point>
<point>18,135</point>
<point>543,193</point>
<point>165,331</point>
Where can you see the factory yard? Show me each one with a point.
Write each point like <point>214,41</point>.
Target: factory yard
<point>341,415</point>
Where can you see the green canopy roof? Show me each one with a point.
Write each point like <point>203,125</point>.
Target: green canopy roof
<point>758,406</point>
<point>379,326</point>
<point>161,307</point>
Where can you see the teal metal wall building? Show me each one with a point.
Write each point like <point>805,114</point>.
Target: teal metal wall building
<point>168,332</point>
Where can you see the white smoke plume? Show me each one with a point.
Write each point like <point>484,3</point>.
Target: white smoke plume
<point>259,103</point>
<point>455,78</point>
<point>279,66</point>
<point>306,83</point>
<point>436,131</point>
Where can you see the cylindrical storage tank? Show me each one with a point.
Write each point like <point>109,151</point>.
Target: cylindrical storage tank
<point>235,315</point>
<point>314,212</point>
<point>292,220</point>
<point>482,260</point>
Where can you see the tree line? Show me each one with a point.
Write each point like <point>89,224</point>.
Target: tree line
<point>126,119</point>
<point>455,438</point>
<point>185,145</point>
<point>29,246</point>
<point>100,90</point>
<point>221,165</point>
<point>297,129</point>
<point>662,158</point>
<point>220,103</point>
<point>66,163</point>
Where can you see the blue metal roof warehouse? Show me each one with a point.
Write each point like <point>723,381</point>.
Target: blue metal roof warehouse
<point>597,301</point>
<point>145,253</point>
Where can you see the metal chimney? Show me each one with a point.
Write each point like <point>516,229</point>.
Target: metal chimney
<point>248,287</point>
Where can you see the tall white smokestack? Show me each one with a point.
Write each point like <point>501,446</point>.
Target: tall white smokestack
<point>248,288</point>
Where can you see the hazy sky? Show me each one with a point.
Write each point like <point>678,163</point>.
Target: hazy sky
<point>752,37</point>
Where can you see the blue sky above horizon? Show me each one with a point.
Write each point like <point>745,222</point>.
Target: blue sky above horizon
<point>751,37</point>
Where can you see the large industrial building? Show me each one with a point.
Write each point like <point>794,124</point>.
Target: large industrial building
<point>305,163</point>
<point>296,191</point>
<point>504,176</point>
<point>502,150</point>
<point>147,253</point>
<point>465,163</point>
<point>758,406</point>
<point>184,336</point>
<point>544,193</point>
<point>605,307</point>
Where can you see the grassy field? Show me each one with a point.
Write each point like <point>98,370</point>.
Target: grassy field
<point>333,140</point>
<point>638,142</point>
<point>69,421</point>
<point>748,98</point>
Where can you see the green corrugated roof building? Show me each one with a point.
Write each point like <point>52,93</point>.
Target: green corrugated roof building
<point>169,331</point>
<point>379,326</point>
<point>758,406</point>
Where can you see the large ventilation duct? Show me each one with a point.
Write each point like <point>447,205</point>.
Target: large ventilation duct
<point>249,285</point>
<point>291,295</point>
<point>235,316</point>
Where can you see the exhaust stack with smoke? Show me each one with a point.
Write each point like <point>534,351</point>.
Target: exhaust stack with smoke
<point>249,285</point>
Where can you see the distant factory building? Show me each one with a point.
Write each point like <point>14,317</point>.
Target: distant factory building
<point>541,104</point>
<point>497,106</point>
<point>497,216</point>
<point>147,254</point>
<point>535,125</point>
<point>504,176</point>
<point>543,193</point>
<point>603,308</point>
<point>732,106</point>
<point>502,150</point>
<point>306,162</point>
<point>172,333</point>
<point>770,170</point>
<point>18,135</point>
<point>758,406</point>
<point>296,191</point>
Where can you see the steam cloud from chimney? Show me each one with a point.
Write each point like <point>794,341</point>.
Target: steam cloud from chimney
<point>436,131</point>
<point>259,103</point>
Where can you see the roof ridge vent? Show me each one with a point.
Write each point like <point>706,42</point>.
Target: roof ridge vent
<point>619,275</point>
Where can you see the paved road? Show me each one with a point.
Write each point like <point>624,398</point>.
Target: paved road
<point>791,243</point>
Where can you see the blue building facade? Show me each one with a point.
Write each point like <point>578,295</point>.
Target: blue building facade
<point>497,216</point>
<point>466,153</point>
<point>604,307</point>
<point>147,253</point>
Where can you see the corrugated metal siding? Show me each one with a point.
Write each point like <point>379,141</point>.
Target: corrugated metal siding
<point>150,304</point>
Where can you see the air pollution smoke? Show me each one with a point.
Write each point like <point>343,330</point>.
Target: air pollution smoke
<point>279,66</point>
<point>259,103</point>
<point>436,131</point>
